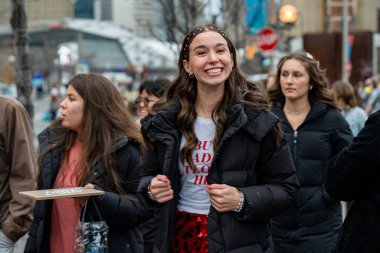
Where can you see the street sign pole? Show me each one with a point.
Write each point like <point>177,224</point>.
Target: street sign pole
<point>345,41</point>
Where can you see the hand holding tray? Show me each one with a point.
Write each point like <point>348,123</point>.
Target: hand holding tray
<point>73,192</point>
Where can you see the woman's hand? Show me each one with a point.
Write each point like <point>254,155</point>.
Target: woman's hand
<point>82,200</point>
<point>161,189</point>
<point>223,197</point>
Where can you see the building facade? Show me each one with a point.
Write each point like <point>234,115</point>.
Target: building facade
<point>38,10</point>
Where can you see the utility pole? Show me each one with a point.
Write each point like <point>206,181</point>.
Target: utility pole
<point>345,40</point>
<point>21,50</point>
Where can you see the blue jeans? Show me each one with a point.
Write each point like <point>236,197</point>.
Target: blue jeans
<point>6,245</point>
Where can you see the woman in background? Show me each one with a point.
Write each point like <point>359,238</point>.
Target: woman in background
<point>347,102</point>
<point>149,93</point>
<point>355,115</point>
<point>316,132</point>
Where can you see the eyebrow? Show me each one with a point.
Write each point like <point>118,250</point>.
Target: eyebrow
<point>203,46</point>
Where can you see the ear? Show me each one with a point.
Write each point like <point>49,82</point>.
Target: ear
<point>186,66</point>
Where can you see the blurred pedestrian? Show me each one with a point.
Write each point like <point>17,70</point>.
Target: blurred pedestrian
<point>363,88</point>
<point>217,163</point>
<point>149,93</point>
<point>96,143</point>
<point>354,114</point>
<point>365,92</point>
<point>55,99</point>
<point>354,176</point>
<point>316,131</point>
<point>17,172</point>
<point>347,102</point>
<point>373,102</point>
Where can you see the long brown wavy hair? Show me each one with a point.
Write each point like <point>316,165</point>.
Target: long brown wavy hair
<point>105,120</point>
<point>183,88</point>
<point>318,80</point>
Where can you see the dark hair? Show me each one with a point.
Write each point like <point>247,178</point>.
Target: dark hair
<point>345,91</point>
<point>155,87</point>
<point>105,120</point>
<point>318,80</point>
<point>183,89</point>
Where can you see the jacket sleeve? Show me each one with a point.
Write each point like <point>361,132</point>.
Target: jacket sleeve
<point>276,185</point>
<point>349,174</point>
<point>342,135</point>
<point>19,147</point>
<point>123,211</point>
<point>149,168</point>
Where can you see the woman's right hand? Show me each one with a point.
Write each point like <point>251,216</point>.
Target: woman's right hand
<point>161,189</point>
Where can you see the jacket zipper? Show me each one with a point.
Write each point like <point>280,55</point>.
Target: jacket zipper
<point>295,135</point>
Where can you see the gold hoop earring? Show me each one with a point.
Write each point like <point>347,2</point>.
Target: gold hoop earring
<point>191,75</point>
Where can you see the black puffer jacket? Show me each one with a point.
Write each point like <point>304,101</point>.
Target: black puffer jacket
<point>313,223</point>
<point>122,213</point>
<point>247,158</point>
<point>355,175</point>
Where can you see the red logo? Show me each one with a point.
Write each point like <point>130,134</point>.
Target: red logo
<point>266,39</point>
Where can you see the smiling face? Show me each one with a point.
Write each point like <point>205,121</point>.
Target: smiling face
<point>210,59</point>
<point>294,80</point>
<point>72,110</point>
<point>145,103</point>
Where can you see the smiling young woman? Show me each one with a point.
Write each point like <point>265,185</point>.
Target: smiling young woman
<point>208,167</point>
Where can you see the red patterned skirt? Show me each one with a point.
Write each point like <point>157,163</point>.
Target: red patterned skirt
<point>190,233</point>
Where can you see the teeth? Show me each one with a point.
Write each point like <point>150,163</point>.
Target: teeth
<point>214,70</point>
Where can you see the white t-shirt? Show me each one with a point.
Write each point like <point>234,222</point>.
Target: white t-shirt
<point>193,197</point>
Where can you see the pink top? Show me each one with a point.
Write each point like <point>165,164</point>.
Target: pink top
<point>65,213</point>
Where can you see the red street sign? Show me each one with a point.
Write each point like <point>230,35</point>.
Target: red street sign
<point>266,39</point>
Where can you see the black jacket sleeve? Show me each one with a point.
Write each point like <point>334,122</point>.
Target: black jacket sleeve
<point>149,167</point>
<point>277,183</point>
<point>123,211</point>
<point>350,173</point>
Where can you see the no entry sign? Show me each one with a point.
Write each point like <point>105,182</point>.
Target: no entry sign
<point>266,39</point>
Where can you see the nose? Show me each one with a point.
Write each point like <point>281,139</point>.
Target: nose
<point>141,103</point>
<point>63,103</point>
<point>289,79</point>
<point>213,57</point>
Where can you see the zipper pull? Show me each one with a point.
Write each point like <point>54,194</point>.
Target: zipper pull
<point>295,137</point>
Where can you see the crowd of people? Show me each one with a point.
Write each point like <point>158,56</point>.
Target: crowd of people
<point>207,162</point>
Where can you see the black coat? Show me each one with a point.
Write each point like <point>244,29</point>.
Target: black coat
<point>122,213</point>
<point>355,175</point>
<point>313,223</point>
<point>247,158</point>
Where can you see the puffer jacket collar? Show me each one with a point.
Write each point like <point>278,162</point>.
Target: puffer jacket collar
<point>317,110</point>
<point>238,117</point>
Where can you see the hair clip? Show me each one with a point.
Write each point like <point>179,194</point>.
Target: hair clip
<point>310,56</point>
